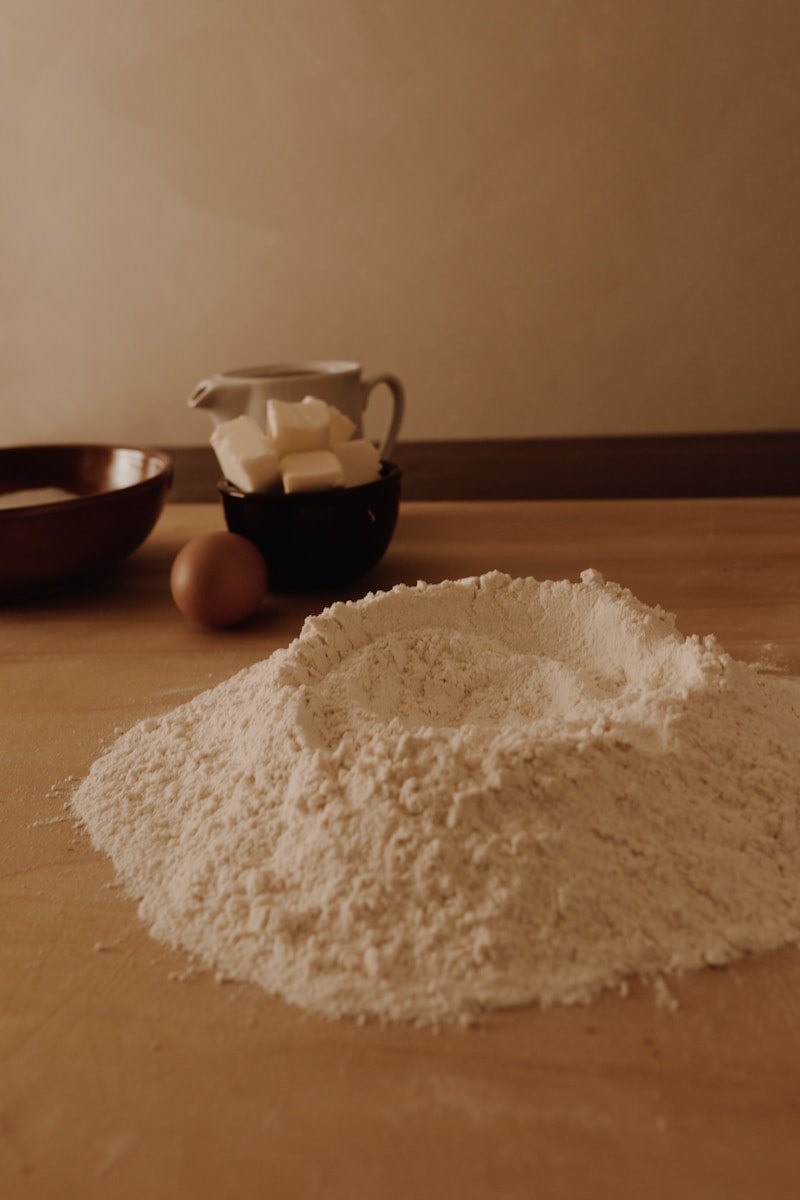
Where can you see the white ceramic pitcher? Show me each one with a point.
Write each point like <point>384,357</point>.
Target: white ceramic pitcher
<point>246,390</point>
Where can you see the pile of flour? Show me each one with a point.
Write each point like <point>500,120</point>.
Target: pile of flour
<point>446,798</point>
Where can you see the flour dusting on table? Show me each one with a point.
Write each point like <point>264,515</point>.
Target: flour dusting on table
<point>477,794</point>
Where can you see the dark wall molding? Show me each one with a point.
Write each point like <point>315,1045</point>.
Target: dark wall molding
<point>729,464</point>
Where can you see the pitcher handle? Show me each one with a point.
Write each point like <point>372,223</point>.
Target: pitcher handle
<point>394,385</point>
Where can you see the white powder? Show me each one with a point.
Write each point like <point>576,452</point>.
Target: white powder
<point>472,795</point>
<point>34,496</point>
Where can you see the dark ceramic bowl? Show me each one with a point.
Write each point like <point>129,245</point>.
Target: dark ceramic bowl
<point>119,492</point>
<point>313,541</point>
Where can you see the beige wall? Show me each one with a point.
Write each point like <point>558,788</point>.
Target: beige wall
<point>548,216</point>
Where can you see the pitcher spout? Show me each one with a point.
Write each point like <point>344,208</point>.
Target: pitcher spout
<point>216,399</point>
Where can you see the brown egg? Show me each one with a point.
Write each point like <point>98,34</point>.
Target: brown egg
<point>218,579</point>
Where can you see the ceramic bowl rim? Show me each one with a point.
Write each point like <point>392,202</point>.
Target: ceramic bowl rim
<point>389,471</point>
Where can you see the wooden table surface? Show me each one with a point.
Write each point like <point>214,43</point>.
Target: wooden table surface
<point>122,1075</point>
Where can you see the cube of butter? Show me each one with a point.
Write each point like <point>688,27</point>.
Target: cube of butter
<point>360,461</point>
<point>341,428</point>
<point>245,455</point>
<point>295,428</point>
<point>311,471</point>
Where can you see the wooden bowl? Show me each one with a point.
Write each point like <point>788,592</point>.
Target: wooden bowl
<point>117,496</point>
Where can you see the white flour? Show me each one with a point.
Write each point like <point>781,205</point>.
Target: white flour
<point>471,795</point>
